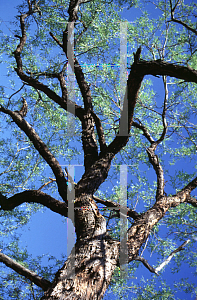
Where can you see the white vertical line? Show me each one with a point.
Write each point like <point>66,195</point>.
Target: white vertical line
<point>71,215</point>
<point>70,81</point>
<point>123,223</point>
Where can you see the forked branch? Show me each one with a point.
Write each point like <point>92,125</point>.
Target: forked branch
<point>173,19</point>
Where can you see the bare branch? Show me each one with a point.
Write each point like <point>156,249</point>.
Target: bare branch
<point>23,110</point>
<point>164,112</point>
<point>159,67</point>
<point>34,196</point>
<point>173,19</point>
<point>184,24</point>
<point>88,136</point>
<point>34,82</point>
<point>161,266</point>
<point>133,85</point>
<point>154,160</point>
<point>146,264</point>
<point>113,205</point>
<point>32,276</point>
<point>167,260</point>
<point>100,132</point>
<point>144,129</point>
<point>190,187</point>
<point>46,183</point>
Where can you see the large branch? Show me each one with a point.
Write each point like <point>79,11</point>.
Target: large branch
<point>133,86</point>
<point>88,135</point>
<point>34,196</point>
<point>159,67</point>
<point>32,276</point>
<point>93,179</point>
<point>138,70</point>
<point>140,230</point>
<point>41,148</point>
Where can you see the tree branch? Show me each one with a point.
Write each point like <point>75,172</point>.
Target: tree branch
<point>88,135</point>
<point>144,129</point>
<point>128,212</point>
<point>133,85</point>
<point>42,149</point>
<point>34,82</point>
<point>192,201</point>
<point>146,264</point>
<point>32,276</point>
<point>184,24</point>
<point>140,230</point>
<point>179,21</point>
<point>167,260</point>
<point>34,196</point>
<point>100,132</point>
<point>184,195</point>
<point>154,160</point>
<point>159,67</point>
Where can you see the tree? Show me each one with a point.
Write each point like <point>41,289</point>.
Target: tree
<point>126,126</point>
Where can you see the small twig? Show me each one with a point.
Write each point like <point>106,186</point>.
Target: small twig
<point>46,183</point>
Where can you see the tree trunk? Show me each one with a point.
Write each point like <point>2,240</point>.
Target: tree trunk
<point>89,268</point>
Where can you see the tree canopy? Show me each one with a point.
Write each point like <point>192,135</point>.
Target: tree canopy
<point>98,124</point>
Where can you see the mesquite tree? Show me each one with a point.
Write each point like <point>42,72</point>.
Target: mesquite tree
<point>72,95</point>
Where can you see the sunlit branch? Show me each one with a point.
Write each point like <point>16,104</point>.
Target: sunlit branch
<point>164,112</point>
<point>190,187</point>
<point>184,196</point>
<point>32,276</point>
<point>154,160</point>
<point>166,261</point>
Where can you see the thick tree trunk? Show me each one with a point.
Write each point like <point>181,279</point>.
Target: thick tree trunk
<point>89,268</point>
<point>87,272</point>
